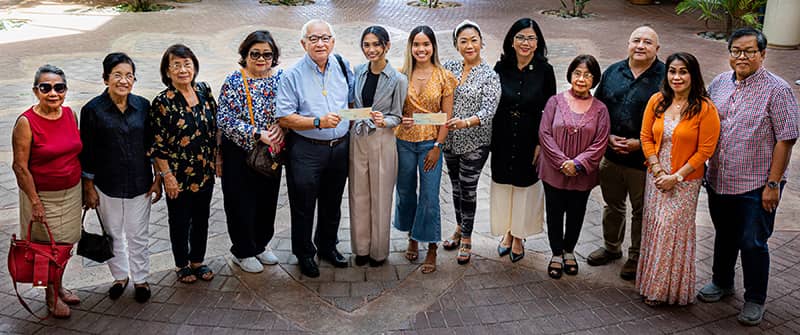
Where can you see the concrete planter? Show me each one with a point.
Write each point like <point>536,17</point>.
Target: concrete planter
<point>782,23</point>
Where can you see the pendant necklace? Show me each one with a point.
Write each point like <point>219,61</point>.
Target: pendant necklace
<point>575,125</point>
<point>322,85</point>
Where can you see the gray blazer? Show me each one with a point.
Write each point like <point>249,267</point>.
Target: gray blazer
<point>390,94</point>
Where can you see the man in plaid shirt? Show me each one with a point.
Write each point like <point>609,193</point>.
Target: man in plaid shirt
<point>759,125</point>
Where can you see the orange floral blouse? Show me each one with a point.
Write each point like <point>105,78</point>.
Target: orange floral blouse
<point>441,84</point>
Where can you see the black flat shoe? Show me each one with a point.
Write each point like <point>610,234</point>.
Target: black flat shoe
<point>362,260</point>
<point>308,267</point>
<point>516,257</point>
<point>141,292</point>
<point>117,289</point>
<point>373,263</point>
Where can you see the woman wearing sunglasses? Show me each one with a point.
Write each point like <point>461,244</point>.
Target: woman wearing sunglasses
<point>246,115</point>
<point>120,183</point>
<point>46,144</point>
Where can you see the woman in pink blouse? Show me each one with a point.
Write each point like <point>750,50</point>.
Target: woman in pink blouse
<point>573,135</point>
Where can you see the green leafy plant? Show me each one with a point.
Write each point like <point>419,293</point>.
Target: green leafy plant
<point>430,3</point>
<point>734,13</point>
<point>576,10</point>
<point>141,6</point>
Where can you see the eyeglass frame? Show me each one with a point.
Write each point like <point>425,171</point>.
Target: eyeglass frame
<point>268,55</point>
<point>178,66</point>
<point>313,39</point>
<point>129,77</point>
<point>584,75</point>
<point>531,39</point>
<point>45,88</point>
<point>738,53</point>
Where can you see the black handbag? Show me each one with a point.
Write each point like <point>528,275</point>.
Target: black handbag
<point>98,248</point>
<point>261,159</point>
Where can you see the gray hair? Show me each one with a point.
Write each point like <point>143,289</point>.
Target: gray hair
<point>304,30</point>
<point>47,68</point>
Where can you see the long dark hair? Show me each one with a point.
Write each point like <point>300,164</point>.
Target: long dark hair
<point>697,90</point>
<point>410,61</point>
<point>509,56</point>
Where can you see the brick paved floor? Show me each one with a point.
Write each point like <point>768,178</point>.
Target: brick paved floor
<point>490,295</point>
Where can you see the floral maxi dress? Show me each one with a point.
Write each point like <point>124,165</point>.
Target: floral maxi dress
<point>666,270</point>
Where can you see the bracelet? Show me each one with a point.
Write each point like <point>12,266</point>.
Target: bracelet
<point>164,173</point>
<point>467,120</point>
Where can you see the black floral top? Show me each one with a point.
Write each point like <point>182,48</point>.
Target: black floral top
<point>186,136</point>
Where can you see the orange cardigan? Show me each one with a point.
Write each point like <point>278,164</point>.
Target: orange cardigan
<point>693,140</point>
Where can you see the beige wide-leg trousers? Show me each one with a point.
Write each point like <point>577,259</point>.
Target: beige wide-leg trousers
<point>373,171</point>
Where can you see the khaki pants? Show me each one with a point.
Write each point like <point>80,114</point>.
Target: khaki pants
<point>372,172</point>
<point>619,182</point>
<point>62,210</point>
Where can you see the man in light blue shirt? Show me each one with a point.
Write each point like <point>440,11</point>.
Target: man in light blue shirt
<point>309,97</point>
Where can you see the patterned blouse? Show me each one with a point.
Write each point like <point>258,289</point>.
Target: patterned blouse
<point>233,115</point>
<point>478,96</point>
<point>440,85</point>
<point>186,136</point>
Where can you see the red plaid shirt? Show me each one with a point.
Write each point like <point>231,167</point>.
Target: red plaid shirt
<point>755,113</point>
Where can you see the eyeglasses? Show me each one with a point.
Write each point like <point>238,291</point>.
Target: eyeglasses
<point>584,75</point>
<point>118,77</point>
<point>522,38</point>
<point>747,53</point>
<point>255,55</point>
<point>45,88</point>
<point>316,38</point>
<point>179,66</point>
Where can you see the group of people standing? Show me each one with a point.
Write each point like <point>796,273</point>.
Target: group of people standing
<point>645,135</point>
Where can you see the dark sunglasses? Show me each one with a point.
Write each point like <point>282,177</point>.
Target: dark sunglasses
<point>45,88</point>
<point>255,55</point>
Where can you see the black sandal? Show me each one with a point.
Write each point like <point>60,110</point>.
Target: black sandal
<point>570,269</point>
<point>184,275</point>
<point>201,271</point>
<point>555,272</point>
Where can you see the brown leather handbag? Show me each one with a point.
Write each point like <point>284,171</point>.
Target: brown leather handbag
<point>38,263</point>
<point>261,158</point>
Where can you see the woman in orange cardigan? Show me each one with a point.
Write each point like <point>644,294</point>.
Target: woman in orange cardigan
<point>680,129</point>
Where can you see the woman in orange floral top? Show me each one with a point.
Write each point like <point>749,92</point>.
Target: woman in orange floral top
<point>183,119</point>
<point>430,90</point>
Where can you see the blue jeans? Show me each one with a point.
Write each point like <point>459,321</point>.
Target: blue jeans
<point>421,216</point>
<point>741,224</point>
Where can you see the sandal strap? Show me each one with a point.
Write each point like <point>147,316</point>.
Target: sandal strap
<point>556,259</point>
<point>569,256</point>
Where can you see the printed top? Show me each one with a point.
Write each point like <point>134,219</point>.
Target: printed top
<point>478,95</point>
<point>233,115</point>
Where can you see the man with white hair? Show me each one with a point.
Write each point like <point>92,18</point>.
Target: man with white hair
<point>309,97</point>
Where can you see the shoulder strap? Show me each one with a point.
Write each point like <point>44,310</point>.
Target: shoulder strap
<point>249,99</point>
<point>344,69</point>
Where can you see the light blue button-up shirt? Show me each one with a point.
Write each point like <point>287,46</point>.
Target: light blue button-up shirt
<point>300,91</point>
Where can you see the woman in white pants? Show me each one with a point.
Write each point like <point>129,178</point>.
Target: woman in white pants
<point>117,173</point>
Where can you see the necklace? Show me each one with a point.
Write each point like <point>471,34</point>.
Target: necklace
<point>573,125</point>
<point>322,85</point>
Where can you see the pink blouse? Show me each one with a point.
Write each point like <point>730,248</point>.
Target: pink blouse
<point>565,135</point>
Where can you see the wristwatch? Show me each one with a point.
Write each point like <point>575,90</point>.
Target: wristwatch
<point>257,135</point>
<point>773,185</point>
<point>316,123</point>
<point>437,145</point>
<point>680,177</point>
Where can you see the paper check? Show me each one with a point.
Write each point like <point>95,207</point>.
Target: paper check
<point>436,119</point>
<point>355,113</point>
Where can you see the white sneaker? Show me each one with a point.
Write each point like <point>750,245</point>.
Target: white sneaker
<point>249,264</point>
<point>267,257</point>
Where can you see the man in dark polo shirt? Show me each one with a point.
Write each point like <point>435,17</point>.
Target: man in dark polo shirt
<point>625,88</point>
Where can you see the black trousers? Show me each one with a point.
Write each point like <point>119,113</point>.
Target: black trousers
<point>188,225</point>
<point>250,202</point>
<point>559,202</point>
<point>315,177</point>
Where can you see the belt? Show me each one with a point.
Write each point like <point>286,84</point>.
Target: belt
<point>330,143</point>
